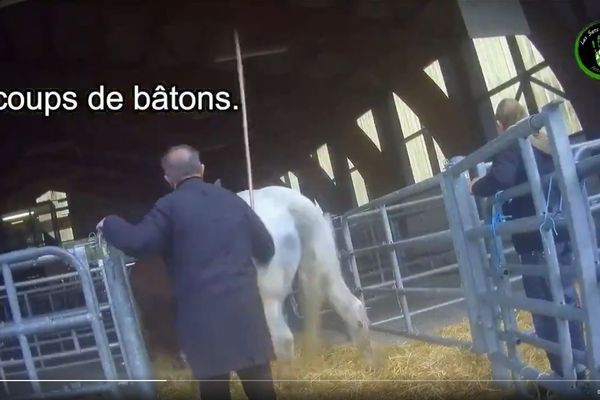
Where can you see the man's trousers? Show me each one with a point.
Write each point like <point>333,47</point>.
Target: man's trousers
<point>537,287</point>
<point>257,382</point>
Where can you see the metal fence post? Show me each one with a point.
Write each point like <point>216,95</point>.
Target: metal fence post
<point>396,267</point>
<point>464,267</point>
<point>350,253</point>
<point>56,321</point>
<point>15,310</point>
<point>583,248</point>
<point>502,283</point>
<point>459,204</point>
<point>551,257</point>
<point>133,348</point>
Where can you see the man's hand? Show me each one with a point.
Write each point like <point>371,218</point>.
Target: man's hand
<point>472,183</point>
<point>100,224</point>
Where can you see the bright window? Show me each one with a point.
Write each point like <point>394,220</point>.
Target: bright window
<point>498,66</point>
<point>293,179</point>
<point>61,206</point>
<point>325,160</point>
<point>358,182</point>
<point>435,73</point>
<point>416,138</point>
<point>495,60</point>
<point>367,124</point>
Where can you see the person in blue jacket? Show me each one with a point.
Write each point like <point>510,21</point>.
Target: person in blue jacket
<point>508,170</point>
<point>209,237</point>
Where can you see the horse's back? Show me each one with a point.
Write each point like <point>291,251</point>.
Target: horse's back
<point>278,275</point>
<point>280,194</point>
<point>284,210</point>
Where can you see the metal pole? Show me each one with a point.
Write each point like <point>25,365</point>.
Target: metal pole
<point>502,284</point>
<point>13,301</point>
<point>413,205</point>
<point>377,256</point>
<point>458,203</point>
<point>583,248</point>
<point>419,242</point>
<point>412,190</point>
<point>3,379</point>
<point>35,337</point>
<point>93,315</point>
<point>240,71</point>
<point>396,268</point>
<point>350,250</point>
<point>126,323</point>
<point>584,168</point>
<point>554,279</point>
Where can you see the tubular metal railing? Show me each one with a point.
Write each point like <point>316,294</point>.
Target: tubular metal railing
<point>386,246</point>
<point>83,316</point>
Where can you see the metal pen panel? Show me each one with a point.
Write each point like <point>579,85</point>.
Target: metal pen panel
<point>583,248</point>
<point>464,262</point>
<point>132,342</point>
<point>13,302</point>
<point>584,167</point>
<point>485,275</point>
<point>479,269</point>
<point>398,195</point>
<point>89,315</point>
<point>550,255</point>
<point>351,254</point>
<point>502,284</point>
<point>396,268</point>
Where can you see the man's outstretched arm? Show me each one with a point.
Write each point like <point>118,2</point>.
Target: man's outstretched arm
<point>146,238</point>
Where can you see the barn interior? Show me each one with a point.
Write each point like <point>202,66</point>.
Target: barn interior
<point>347,100</point>
<point>327,64</point>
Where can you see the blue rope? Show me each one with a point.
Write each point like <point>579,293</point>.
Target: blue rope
<point>498,218</point>
<point>549,218</point>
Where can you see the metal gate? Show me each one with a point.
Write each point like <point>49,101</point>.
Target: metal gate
<point>73,332</point>
<point>429,254</point>
<point>484,276</point>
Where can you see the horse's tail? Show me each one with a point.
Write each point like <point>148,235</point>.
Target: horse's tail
<point>306,219</point>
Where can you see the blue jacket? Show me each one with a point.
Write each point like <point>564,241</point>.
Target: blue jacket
<point>208,237</point>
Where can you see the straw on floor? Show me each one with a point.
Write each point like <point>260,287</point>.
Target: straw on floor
<point>409,370</point>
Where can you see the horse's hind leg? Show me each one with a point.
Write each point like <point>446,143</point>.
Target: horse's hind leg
<point>312,299</point>
<point>281,335</point>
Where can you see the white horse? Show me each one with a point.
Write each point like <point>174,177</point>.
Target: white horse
<point>304,244</point>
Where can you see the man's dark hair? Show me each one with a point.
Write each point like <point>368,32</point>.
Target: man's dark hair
<point>186,163</point>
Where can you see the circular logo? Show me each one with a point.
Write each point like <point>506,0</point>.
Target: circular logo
<point>587,50</point>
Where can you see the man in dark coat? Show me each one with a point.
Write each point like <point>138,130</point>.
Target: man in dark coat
<point>508,170</point>
<point>208,237</point>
